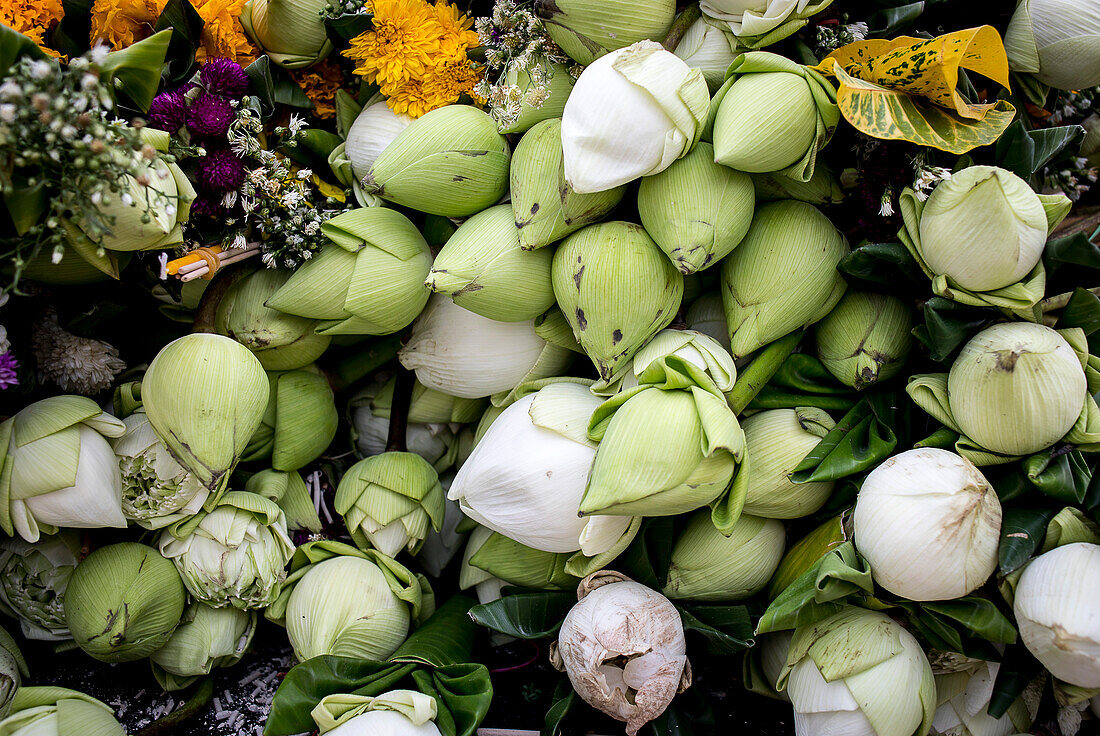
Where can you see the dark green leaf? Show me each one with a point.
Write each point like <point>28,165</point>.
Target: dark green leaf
<point>803,380</point>
<point>287,91</point>
<point>648,557</point>
<point>564,697</point>
<point>977,615</point>
<point>1070,252</point>
<point>688,715</point>
<point>463,693</point>
<point>311,148</point>
<point>725,629</point>
<point>1083,311</point>
<point>135,70</point>
<point>261,85</point>
<point>947,325</point>
<point>346,27</point>
<point>1024,152</point>
<point>525,615</point>
<point>446,638</point>
<point>13,46</point>
<point>883,264</point>
<point>1018,668</point>
<point>761,369</point>
<point>889,22</point>
<point>25,204</point>
<point>863,438</point>
<point>1022,531</point>
<point>1064,476</point>
<point>821,591</point>
<point>71,37</point>
<point>187,25</point>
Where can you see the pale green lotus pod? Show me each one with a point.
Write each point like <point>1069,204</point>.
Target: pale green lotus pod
<point>350,603</point>
<point>369,281</point>
<point>206,638</point>
<point>156,490</point>
<point>373,129</point>
<point>858,671</point>
<point>963,698</point>
<point>1056,40</point>
<point>545,206</point>
<point>696,348</point>
<point>483,269</point>
<point>58,711</point>
<point>777,441</point>
<point>667,446</point>
<point>617,290</point>
<point>588,29</point>
<point>291,32</point>
<point>707,315</point>
<point>697,211</point>
<point>454,351</point>
<point>773,115</point>
<point>865,339</point>
<point>290,492</point>
<point>59,471</point>
<point>451,162</point>
<point>13,668</point>
<point>281,341</point>
<point>773,20</point>
<point>205,395</point>
<point>980,236</point>
<point>822,188</point>
<point>783,275</point>
<point>643,89</point>
<point>561,84</point>
<point>33,581</point>
<point>125,577</point>
<point>396,713</point>
<point>233,555</point>
<point>390,501</point>
<point>299,423</point>
<point>710,48</point>
<point>706,565</point>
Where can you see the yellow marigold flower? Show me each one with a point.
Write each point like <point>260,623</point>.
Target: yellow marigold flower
<point>457,36</point>
<point>441,86</point>
<point>320,83</point>
<point>120,23</point>
<point>33,18</point>
<point>402,44</point>
<point>223,36</point>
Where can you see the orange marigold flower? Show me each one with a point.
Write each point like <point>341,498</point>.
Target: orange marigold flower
<point>120,23</point>
<point>400,46</point>
<point>223,36</point>
<point>441,86</point>
<point>320,83</point>
<point>33,18</point>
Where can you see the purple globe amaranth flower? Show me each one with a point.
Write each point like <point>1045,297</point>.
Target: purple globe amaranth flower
<point>8,376</point>
<point>224,77</point>
<point>209,116</point>
<point>168,111</point>
<point>209,205</point>
<point>221,170</point>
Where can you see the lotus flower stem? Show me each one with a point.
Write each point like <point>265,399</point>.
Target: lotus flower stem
<point>399,411</point>
<point>761,370</point>
<point>680,26</point>
<point>170,723</point>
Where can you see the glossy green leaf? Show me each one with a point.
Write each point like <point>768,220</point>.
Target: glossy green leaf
<point>186,24</point>
<point>725,630</point>
<point>463,693</point>
<point>446,638</point>
<point>13,46</point>
<point>564,698</point>
<point>534,615</point>
<point>948,324</point>
<point>1064,476</point>
<point>978,615</point>
<point>884,264</point>
<point>840,576</point>
<point>648,557</point>
<point>1022,531</point>
<point>863,438</point>
<point>1018,669</point>
<point>1069,254</point>
<point>752,379</point>
<point>1024,152</point>
<point>803,380</point>
<point>136,70</point>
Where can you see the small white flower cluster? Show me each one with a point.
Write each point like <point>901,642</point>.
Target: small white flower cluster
<point>926,177</point>
<point>830,38</point>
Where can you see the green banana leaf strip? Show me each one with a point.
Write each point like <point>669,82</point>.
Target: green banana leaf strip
<point>862,439</point>
<point>1018,669</point>
<point>463,693</point>
<point>648,557</point>
<point>525,615</point>
<point>803,380</point>
<point>1064,476</point>
<point>978,615</point>
<point>187,24</point>
<point>726,630</point>
<point>884,264</point>
<point>564,698</point>
<point>1023,152</point>
<point>833,581</point>
<point>948,324</point>
<point>1022,531</point>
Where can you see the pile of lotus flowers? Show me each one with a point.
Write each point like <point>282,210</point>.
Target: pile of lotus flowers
<point>748,348</point>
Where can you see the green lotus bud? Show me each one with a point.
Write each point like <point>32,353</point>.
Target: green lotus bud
<point>664,449</point>
<point>206,638</point>
<point>706,565</point>
<point>369,281</point>
<point>778,440</point>
<point>528,115</point>
<point>290,32</point>
<point>710,48</point>
<point>983,229</point>
<point>373,129</point>
<point>291,494</point>
<point>782,276</point>
<point>696,210</point>
<point>1016,388</point>
<point>1057,40</point>
<point>233,555</point>
<point>390,501</point>
<point>707,315</point>
<point>544,204</point>
<point>865,339</point>
<point>450,162</point>
<point>299,423</point>
<point>701,351</point>
<point>58,711</point>
<point>823,187</point>
<point>156,490</point>
<point>483,269</point>
<point>205,395</point>
<point>13,668</point>
<point>280,341</point>
<point>773,115</point>
<point>617,290</point>
<point>33,581</point>
<point>123,602</point>
<point>586,29</point>
<point>59,471</point>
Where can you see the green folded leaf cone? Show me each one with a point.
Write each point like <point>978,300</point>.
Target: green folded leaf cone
<point>698,349</point>
<point>859,671</point>
<point>1057,41</point>
<point>706,565</point>
<point>394,713</point>
<point>777,440</point>
<point>59,471</point>
<point>697,211</point>
<point>588,29</point>
<point>774,115</point>
<point>123,602</point>
<point>964,697</point>
<point>560,85</point>
<point>707,315</point>
<point>156,490</point>
<point>290,492</point>
<point>206,638</point>
<point>782,276</point>
<point>865,339</point>
<point>390,502</point>
<point>450,162</point>
<point>290,32</point>
<point>617,290</point>
<point>369,281</point>
<point>233,555</point>
<point>33,581</point>
<point>545,206</point>
<point>483,269</point>
<point>205,395</point>
<point>280,341</point>
<point>299,423</point>
<point>58,711</point>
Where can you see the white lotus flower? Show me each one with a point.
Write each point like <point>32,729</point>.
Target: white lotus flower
<point>964,703</point>
<point>373,129</point>
<point>710,49</point>
<point>753,17</point>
